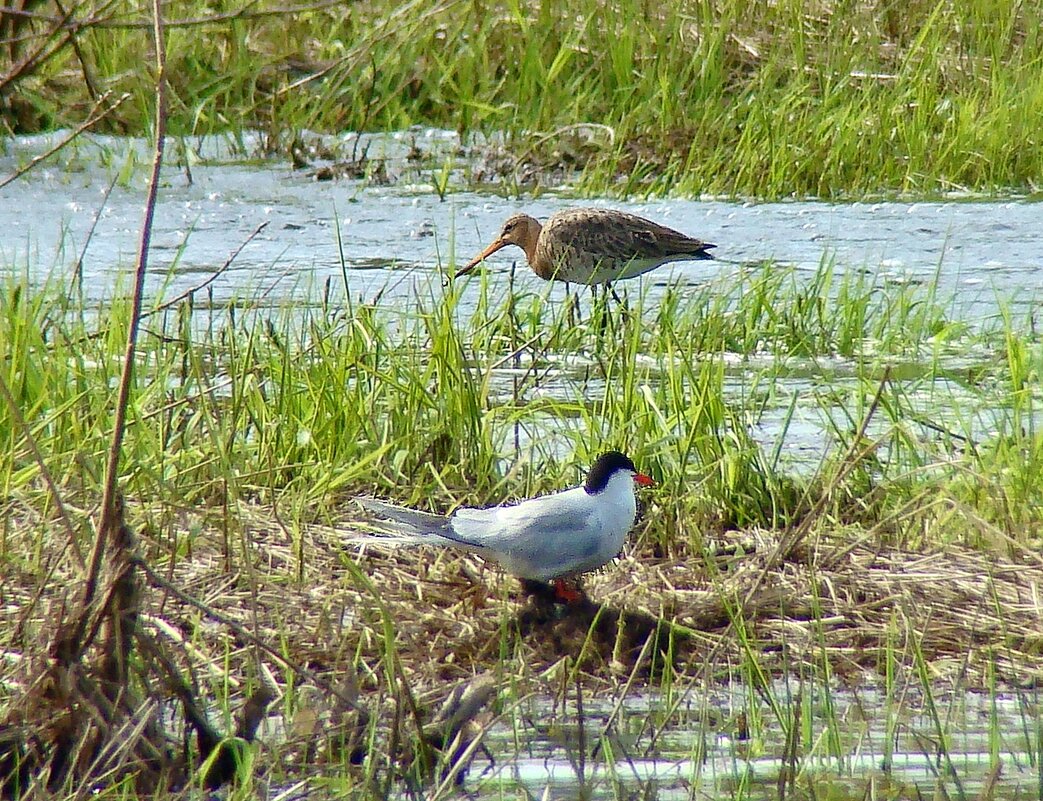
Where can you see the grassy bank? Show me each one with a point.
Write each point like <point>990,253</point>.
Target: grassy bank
<point>907,553</point>
<point>433,404</point>
<point>725,97</point>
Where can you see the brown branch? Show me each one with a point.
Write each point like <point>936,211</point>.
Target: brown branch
<point>84,69</point>
<point>109,519</point>
<point>83,126</point>
<point>41,54</point>
<point>44,53</point>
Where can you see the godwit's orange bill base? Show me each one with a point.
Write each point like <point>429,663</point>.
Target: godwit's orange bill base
<point>593,246</point>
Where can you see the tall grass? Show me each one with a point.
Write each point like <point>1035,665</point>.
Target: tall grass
<point>719,96</point>
<point>435,403</point>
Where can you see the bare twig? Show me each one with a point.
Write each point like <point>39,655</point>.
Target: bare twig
<point>85,70</point>
<point>64,22</point>
<point>109,520</point>
<point>94,116</point>
<point>40,55</point>
<point>790,539</point>
<point>853,456</point>
<point>240,15</point>
<point>247,636</point>
<point>211,278</point>
<point>77,272</point>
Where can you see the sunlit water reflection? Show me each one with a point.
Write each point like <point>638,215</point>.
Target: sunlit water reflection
<point>727,743</point>
<point>397,242</point>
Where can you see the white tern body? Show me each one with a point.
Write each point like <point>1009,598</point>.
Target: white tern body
<point>544,538</point>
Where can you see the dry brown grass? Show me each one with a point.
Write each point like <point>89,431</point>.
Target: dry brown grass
<point>834,599</point>
<point>453,619</point>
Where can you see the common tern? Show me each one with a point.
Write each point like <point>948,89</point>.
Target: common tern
<point>548,538</point>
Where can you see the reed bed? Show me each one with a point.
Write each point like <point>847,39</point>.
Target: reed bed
<point>432,405</point>
<point>911,546</point>
<point>842,611</point>
<point>723,97</point>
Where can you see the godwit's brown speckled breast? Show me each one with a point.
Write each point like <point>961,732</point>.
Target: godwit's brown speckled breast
<point>593,246</point>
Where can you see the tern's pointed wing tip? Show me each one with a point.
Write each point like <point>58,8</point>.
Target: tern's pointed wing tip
<point>369,503</point>
<point>383,508</point>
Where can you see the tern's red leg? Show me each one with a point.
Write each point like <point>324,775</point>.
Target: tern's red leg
<point>567,593</point>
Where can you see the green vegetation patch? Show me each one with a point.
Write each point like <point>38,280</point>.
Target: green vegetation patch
<point>726,97</point>
<point>435,403</point>
<point>908,552</point>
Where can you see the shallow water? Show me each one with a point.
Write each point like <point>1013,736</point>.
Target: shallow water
<point>397,236</point>
<point>400,239</point>
<point>852,743</point>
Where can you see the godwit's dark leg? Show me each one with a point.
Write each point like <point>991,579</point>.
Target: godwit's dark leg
<point>573,305</point>
<point>599,306</point>
<point>624,310</point>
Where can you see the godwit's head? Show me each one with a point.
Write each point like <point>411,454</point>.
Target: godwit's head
<point>521,230</point>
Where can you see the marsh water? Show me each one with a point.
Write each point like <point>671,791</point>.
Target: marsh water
<point>985,253</point>
<point>853,744</point>
<point>398,238</point>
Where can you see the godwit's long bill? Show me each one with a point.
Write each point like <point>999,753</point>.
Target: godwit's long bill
<point>593,246</point>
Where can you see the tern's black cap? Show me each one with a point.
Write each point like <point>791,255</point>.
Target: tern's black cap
<point>606,466</point>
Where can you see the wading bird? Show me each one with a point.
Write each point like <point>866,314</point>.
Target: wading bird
<point>593,246</point>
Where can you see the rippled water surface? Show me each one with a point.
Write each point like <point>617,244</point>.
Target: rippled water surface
<point>852,745</point>
<point>399,240</point>
<point>986,253</point>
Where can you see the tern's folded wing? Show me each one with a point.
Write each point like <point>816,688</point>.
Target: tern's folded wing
<point>542,538</point>
<point>413,521</point>
<point>537,518</point>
